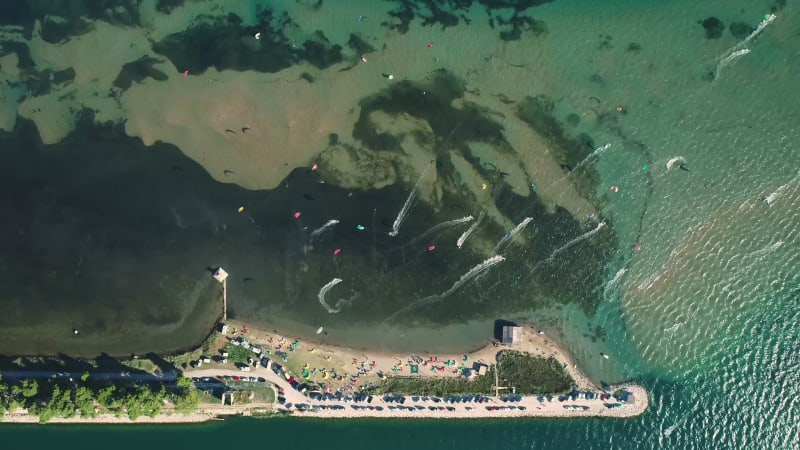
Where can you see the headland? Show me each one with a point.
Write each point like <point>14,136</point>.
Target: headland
<point>242,371</point>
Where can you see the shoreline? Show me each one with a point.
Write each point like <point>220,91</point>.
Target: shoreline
<point>344,362</point>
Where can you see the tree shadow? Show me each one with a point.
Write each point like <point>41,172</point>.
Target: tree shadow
<point>163,365</point>
<point>106,363</point>
<point>60,363</point>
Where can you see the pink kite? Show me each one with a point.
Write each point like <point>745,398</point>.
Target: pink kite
<point>185,73</point>
<point>297,214</point>
<point>638,247</point>
<point>314,167</point>
<point>337,251</point>
<point>431,248</point>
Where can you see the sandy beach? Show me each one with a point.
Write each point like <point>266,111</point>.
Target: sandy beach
<point>346,361</point>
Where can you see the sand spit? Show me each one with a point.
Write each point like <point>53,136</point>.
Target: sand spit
<point>346,361</point>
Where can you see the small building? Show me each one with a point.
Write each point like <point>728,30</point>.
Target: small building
<point>225,354</point>
<point>224,329</point>
<point>220,274</point>
<point>512,335</point>
<point>205,359</point>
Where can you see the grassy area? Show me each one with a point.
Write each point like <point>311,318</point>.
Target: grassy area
<point>238,354</point>
<point>526,373</point>
<point>263,394</point>
<point>141,364</point>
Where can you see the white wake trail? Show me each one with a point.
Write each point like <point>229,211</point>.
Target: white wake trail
<point>401,216</point>
<point>324,291</point>
<point>595,154</point>
<point>322,229</point>
<point>576,240</point>
<point>470,275</point>
<point>469,231</point>
<point>439,226</point>
<point>615,281</point>
<point>770,199</point>
<point>589,158</point>
<point>739,50</point>
<point>510,235</point>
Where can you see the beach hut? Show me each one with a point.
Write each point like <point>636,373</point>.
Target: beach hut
<point>512,335</point>
<point>224,329</point>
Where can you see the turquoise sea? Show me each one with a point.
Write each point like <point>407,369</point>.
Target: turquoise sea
<point>654,145</point>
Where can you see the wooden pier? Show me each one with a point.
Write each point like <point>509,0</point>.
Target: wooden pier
<point>222,276</point>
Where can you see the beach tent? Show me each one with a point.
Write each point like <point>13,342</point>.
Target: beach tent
<point>414,368</point>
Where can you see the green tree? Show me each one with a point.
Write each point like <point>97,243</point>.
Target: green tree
<point>30,387</point>
<point>4,398</point>
<point>106,397</point>
<point>84,401</point>
<point>187,402</point>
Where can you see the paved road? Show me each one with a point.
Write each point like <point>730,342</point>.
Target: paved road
<point>292,396</point>
<point>532,405</point>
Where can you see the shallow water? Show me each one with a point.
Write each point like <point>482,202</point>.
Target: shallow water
<point>704,313</point>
